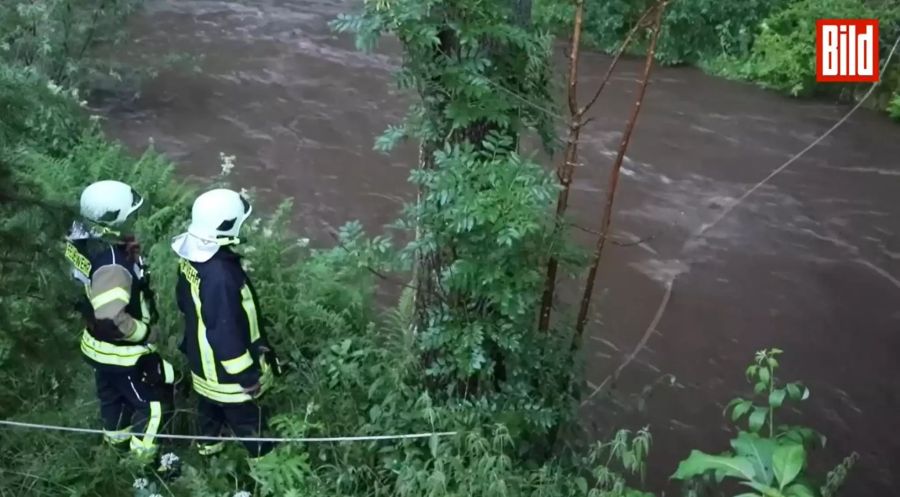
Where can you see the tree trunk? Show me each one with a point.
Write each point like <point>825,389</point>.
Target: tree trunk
<point>566,168</point>
<point>429,295</point>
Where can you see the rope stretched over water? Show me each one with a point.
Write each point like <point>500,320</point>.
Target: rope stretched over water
<point>361,438</point>
<point>706,227</point>
<point>670,283</point>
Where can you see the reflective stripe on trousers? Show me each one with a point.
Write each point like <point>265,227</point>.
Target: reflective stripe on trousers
<point>147,442</point>
<point>208,449</point>
<point>117,437</point>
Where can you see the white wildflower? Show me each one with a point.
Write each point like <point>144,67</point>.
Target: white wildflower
<point>267,232</point>
<point>53,87</point>
<point>227,163</point>
<point>245,193</point>
<point>83,103</point>
<point>168,461</point>
<point>140,483</point>
<point>155,495</point>
<point>94,118</point>
<point>249,249</point>
<point>303,242</point>
<point>242,493</point>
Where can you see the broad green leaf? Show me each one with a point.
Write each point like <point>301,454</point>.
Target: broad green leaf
<point>751,372</point>
<point>699,463</point>
<point>582,485</point>
<point>728,407</point>
<point>764,374</point>
<point>799,490</point>
<point>740,409</point>
<point>776,397</point>
<point>764,490</point>
<point>758,451</point>
<point>758,419</point>
<point>787,462</point>
<point>802,435</point>
<point>794,390</point>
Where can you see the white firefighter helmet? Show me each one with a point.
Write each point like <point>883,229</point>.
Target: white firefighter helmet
<point>217,215</point>
<point>216,220</point>
<point>109,202</point>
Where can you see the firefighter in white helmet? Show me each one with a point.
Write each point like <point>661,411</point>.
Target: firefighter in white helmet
<point>133,382</point>
<point>231,362</point>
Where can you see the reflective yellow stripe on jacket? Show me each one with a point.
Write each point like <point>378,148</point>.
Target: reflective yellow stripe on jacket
<point>250,310</point>
<point>229,393</point>
<point>207,357</point>
<point>120,294</point>
<point>113,355</point>
<point>239,364</point>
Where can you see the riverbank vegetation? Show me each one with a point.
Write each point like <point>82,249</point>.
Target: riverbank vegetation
<point>767,42</point>
<point>474,344</point>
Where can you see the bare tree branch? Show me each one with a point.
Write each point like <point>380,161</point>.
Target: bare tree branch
<point>614,175</point>
<point>612,66</point>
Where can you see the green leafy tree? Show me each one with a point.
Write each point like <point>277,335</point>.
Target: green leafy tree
<point>55,37</point>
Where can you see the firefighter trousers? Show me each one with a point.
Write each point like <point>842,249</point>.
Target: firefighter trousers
<point>245,419</point>
<point>128,404</point>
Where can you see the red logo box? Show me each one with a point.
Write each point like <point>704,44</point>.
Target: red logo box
<point>847,51</point>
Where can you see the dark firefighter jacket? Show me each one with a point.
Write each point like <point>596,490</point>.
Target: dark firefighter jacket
<point>117,307</point>
<point>222,337</point>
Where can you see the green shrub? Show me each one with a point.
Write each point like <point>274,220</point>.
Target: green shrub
<point>700,31</point>
<point>768,459</point>
<point>784,54</point>
<point>769,42</point>
<point>894,106</point>
<point>55,37</point>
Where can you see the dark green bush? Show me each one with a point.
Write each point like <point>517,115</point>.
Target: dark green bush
<point>769,42</point>
<point>784,54</point>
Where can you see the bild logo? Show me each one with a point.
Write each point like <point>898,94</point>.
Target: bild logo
<point>847,50</point>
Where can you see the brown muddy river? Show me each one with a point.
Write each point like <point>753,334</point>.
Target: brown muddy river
<point>809,263</point>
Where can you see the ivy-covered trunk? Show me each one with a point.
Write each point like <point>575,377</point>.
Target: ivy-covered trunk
<point>482,210</point>
<point>434,303</point>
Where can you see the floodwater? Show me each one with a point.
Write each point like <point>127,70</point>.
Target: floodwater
<point>809,263</point>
